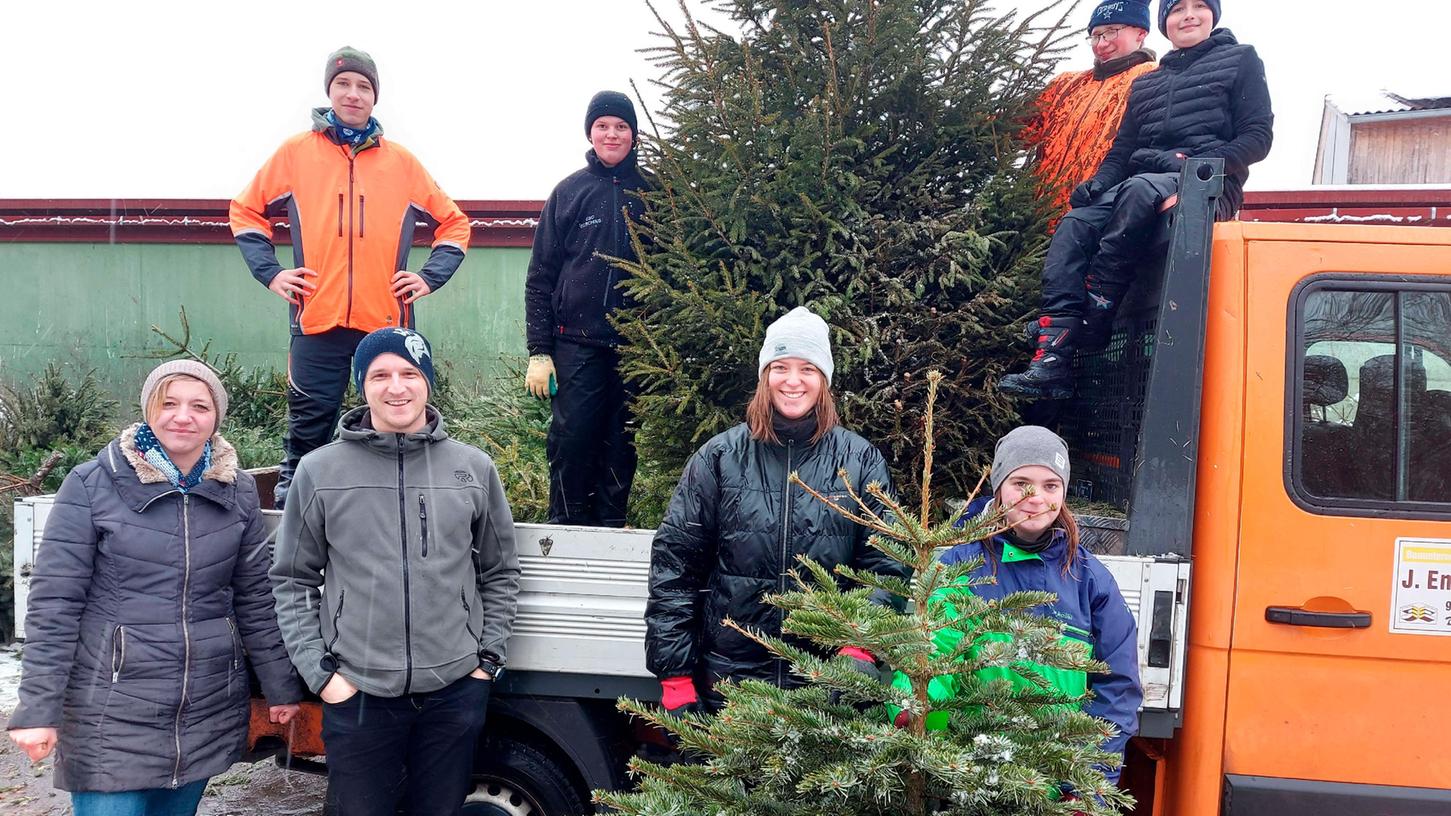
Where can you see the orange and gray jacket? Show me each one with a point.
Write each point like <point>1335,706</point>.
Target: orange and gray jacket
<point>352,212</point>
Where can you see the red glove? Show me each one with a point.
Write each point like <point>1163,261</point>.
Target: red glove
<point>677,693</point>
<point>857,652</point>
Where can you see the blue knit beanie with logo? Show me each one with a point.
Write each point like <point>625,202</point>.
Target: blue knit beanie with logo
<point>1120,12</point>
<point>1166,6</point>
<point>406,343</point>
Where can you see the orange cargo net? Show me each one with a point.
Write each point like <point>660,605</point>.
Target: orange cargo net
<point>1076,120</point>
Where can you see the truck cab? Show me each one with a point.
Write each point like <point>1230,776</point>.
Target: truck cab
<point>1280,411</point>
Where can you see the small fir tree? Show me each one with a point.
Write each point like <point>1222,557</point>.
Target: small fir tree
<point>829,746</point>
<point>861,157</point>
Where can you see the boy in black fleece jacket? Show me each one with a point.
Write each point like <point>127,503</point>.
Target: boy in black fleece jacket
<point>568,296</point>
<point>1207,99</point>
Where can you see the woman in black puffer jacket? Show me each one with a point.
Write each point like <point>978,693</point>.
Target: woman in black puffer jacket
<point>149,596</point>
<point>736,524</point>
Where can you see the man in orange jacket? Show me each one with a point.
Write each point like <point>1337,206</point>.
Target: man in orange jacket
<point>351,200</point>
<point>1079,112</point>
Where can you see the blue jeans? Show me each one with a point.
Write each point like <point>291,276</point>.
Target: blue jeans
<point>182,801</point>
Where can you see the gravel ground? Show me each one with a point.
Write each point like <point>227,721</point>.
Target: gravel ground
<point>245,790</point>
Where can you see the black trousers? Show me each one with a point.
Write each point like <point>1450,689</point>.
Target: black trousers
<point>1096,249</point>
<point>591,442</point>
<point>416,750</point>
<point>319,367</point>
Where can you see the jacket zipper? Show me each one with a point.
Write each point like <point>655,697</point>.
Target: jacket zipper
<point>185,631</point>
<point>785,545</point>
<point>468,617</point>
<point>118,652</point>
<point>423,523</point>
<point>407,603</point>
<point>340,214</point>
<point>362,214</point>
<point>337,613</point>
<point>236,643</point>
<point>615,239</point>
<point>348,320</point>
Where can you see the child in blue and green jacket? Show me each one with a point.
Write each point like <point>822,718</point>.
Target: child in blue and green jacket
<point>1041,552</point>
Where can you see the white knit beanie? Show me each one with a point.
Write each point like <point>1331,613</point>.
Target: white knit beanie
<point>802,334</point>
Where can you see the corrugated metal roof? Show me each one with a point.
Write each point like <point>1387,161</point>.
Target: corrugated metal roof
<point>1361,103</point>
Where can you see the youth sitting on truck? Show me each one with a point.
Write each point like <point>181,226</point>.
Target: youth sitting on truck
<point>148,591</point>
<point>735,524</point>
<point>1207,99</point>
<point>1042,553</point>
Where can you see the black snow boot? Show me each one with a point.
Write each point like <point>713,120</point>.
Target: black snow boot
<point>1050,374</point>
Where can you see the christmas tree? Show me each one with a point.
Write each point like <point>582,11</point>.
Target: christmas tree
<point>832,747</point>
<point>861,157</point>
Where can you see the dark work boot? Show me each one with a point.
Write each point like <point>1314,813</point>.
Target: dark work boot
<point>1050,374</point>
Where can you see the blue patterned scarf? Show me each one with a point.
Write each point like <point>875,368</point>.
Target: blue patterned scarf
<point>351,135</point>
<point>150,448</point>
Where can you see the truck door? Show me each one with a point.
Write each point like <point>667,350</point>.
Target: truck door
<point>1340,661</point>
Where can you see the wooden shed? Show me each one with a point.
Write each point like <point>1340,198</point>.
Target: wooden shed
<point>1384,138</point>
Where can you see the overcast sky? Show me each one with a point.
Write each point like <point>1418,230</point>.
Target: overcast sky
<point>186,99</point>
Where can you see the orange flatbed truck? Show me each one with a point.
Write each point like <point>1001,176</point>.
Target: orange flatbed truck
<point>1273,413</point>
<point>1282,414</point>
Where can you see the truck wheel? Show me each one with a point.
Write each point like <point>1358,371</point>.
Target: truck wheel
<point>516,779</point>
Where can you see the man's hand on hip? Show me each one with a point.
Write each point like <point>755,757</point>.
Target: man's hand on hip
<point>409,286</point>
<point>337,690</point>
<point>292,285</point>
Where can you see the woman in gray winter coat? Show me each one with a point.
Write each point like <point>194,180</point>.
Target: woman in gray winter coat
<point>149,590</point>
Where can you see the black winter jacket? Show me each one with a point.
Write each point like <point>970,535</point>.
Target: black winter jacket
<point>1205,102</point>
<point>569,291</point>
<point>733,529</point>
<point>145,606</point>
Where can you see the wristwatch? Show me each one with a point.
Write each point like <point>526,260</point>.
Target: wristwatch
<point>491,663</point>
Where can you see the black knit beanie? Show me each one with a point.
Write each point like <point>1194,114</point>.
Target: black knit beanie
<point>349,58</point>
<point>1166,6</point>
<point>406,343</point>
<point>610,103</point>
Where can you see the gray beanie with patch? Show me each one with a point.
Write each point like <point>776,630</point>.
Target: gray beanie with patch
<point>1029,445</point>
<point>802,334</point>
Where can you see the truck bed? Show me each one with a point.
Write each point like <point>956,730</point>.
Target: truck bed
<point>582,604</point>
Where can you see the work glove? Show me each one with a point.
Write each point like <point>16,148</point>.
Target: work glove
<point>539,379</point>
<point>863,663</point>
<point>1085,193</point>
<point>677,696</point>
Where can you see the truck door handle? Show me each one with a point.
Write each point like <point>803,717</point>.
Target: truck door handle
<point>1299,616</point>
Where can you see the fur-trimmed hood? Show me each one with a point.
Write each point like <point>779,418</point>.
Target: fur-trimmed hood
<point>223,468</point>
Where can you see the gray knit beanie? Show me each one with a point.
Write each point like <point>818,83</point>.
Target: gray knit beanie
<point>349,58</point>
<point>191,368</point>
<point>1029,445</point>
<point>802,334</point>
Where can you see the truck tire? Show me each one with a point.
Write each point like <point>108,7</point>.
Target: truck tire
<point>513,778</point>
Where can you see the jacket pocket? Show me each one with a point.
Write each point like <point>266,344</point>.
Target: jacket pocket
<point>232,677</point>
<point>118,652</point>
<point>463,596</point>
<point>423,523</point>
<point>337,619</point>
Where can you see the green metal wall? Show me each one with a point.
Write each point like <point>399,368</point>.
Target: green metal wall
<point>91,305</point>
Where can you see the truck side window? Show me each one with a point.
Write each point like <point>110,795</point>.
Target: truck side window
<point>1373,420</point>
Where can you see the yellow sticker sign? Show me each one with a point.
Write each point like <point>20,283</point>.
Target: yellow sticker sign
<point>1421,594</point>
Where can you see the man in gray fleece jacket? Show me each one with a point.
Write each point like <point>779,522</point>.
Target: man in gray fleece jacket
<point>412,534</point>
